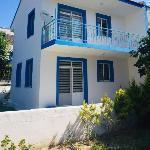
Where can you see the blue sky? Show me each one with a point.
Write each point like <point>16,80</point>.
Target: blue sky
<point>8,9</point>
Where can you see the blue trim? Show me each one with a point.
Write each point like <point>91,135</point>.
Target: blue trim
<point>28,75</point>
<point>108,18</point>
<point>111,69</point>
<point>30,26</point>
<point>15,14</point>
<point>146,18</point>
<point>86,45</point>
<point>18,75</point>
<point>80,11</point>
<point>132,3</point>
<point>85,76</point>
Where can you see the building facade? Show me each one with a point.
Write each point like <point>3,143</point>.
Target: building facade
<point>67,51</point>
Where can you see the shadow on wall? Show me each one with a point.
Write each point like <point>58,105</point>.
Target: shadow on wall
<point>74,133</point>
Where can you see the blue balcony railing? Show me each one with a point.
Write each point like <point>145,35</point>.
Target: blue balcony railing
<point>75,31</point>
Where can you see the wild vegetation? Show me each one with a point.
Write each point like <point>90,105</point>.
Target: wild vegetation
<point>8,144</point>
<point>5,53</point>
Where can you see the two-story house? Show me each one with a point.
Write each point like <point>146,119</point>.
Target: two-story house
<point>67,51</point>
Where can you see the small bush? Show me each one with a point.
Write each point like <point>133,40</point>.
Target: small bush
<point>122,105</point>
<point>107,120</point>
<point>90,117</point>
<point>7,144</point>
<point>99,147</point>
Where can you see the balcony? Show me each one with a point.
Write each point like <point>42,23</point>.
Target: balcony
<point>73,33</point>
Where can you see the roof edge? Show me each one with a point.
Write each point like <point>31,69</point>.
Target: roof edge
<point>15,14</point>
<point>130,2</point>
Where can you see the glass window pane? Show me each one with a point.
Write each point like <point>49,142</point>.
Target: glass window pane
<point>104,23</point>
<point>106,72</point>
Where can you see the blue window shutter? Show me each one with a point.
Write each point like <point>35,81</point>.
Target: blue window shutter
<point>28,73</point>
<point>98,70</point>
<point>30,27</point>
<point>18,75</point>
<point>111,72</point>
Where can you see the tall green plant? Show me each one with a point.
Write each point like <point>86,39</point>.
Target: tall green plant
<point>90,117</point>
<point>107,117</point>
<point>143,55</point>
<point>122,105</point>
<point>4,56</point>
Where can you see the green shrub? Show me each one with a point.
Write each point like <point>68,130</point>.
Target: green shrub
<point>7,144</point>
<point>99,147</point>
<point>106,108</point>
<point>90,117</point>
<point>122,105</point>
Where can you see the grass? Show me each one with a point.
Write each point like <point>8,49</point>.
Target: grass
<point>124,140</point>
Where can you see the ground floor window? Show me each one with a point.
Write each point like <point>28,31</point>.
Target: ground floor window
<point>28,73</point>
<point>18,75</point>
<point>105,71</point>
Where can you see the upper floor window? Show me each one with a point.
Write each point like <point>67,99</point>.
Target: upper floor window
<point>103,24</point>
<point>71,23</point>
<point>18,75</point>
<point>105,71</point>
<point>30,27</point>
<point>28,73</point>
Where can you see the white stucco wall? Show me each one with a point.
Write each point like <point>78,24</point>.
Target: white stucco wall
<point>96,89</point>
<point>41,127</point>
<point>126,23</point>
<point>25,49</point>
<point>43,92</point>
<point>136,23</point>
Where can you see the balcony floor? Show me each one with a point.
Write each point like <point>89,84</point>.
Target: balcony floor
<point>85,45</point>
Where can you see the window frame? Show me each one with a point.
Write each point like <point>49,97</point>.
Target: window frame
<point>111,70</point>
<point>73,9</point>
<point>28,75</point>
<point>18,75</point>
<point>104,17</point>
<point>31,20</point>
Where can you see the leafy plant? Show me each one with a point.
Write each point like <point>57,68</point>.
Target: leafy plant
<point>90,117</point>
<point>5,52</point>
<point>99,147</point>
<point>106,112</point>
<point>122,105</point>
<point>7,144</point>
<point>143,55</point>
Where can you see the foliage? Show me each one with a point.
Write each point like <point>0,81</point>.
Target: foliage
<point>99,147</point>
<point>143,55</point>
<point>124,140</point>
<point>93,116</point>
<point>143,110</point>
<point>134,102</point>
<point>7,144</point>
<point>106,112</point>
<point>4,56</point>
<point>90,117</point>
<point>122,105</point>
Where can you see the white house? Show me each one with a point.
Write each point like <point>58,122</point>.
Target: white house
<point>67,51</point>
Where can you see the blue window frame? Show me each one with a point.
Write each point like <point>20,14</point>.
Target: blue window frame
<point>103,24</point>
<point>105,71</point>
<point>30,27</point>
<point>18,75</point>
<point>28,73</point>
<point>77,12</point>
